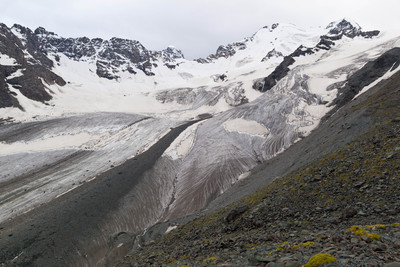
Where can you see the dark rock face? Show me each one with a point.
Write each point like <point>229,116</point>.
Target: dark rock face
<point>171,53</point>
<point>111,56</point>
<point>277,74</point>
<point>343,28</point>
<point>229,50</point>
<point>271,54</point>
<point>31,51</point>
<point>103,70</point>
<point>325,44</point>
<point>346,28</point>
<point>224,51</point>
<point>336,32</point>
<point>302,51</point>
<point>6,97</point>
<point>34,67</point>
<point>365,76</point>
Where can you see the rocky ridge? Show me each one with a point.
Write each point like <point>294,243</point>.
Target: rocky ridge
<point>31,56</point>
<point>28,69</point>
<point>226,51</point>
<point>111,56</point>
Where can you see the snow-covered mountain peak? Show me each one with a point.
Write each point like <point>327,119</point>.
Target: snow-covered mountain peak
<point>348,28</point>
<point>23,33</point>
<point>42,31</point>
<point>286,31</point>
<point>174,52</point>
<point>281,38</point>
<point>19,28</point>
<point>326,38</point>
<point>343,23</point>
<point>271,27</point>
<point>344,27</point>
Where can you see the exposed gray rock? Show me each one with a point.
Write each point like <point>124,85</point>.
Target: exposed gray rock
<point>224,51</point>
<point>34,65</point>
<point>271,54</point>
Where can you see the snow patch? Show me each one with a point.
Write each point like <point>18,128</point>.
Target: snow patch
<point>244,175</point>
<point>318,85</point>
<point>243,126</point>
<point>53,143</point>
<point>170,228</point>
<point>7,61</point>
<point>182,145</point>
<point>16,74</point>
<point>310,122</point>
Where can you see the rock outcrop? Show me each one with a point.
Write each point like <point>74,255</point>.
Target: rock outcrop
<point>111,56</point>
<point>29,58</point>
<point>27,69</point>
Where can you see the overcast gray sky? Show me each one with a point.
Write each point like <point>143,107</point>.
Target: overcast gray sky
<point>197,27</point>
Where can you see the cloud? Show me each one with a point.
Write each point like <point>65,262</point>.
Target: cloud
<point>196,27</point>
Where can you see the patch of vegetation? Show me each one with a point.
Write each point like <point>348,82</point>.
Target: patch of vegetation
<point>306,244</point>
<point>320,259</point>
<point>359,231</point>
<point>210,260</point>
